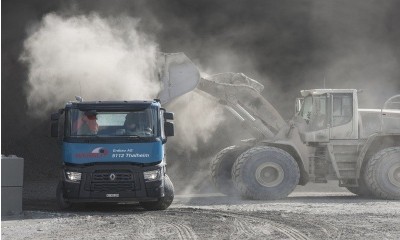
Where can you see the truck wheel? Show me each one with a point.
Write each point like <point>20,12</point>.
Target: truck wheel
<point>62,203</point>
<point>164,202</point>
<point>221,169</point>
<point>265,173</point>
<point>383,174</point>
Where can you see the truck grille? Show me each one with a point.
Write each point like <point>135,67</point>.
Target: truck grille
<point>105,177</point>
<point>120,181</point>
<point>106,187</point>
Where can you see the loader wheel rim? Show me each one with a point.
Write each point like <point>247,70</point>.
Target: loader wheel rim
<point>269,174</point>
<point>394,174</point>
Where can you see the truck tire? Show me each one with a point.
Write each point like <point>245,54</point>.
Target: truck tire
<point>383,174</point>
<point>63,204</point>
<point>265,173</point>
<point>164,202</point>
<point>221,169</point>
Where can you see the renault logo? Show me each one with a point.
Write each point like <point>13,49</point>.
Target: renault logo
<point>112,177</point>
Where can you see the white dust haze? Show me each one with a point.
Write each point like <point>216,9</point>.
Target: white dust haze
<point>106,59</point>
<point>96,58</point>
<point>198,117</point>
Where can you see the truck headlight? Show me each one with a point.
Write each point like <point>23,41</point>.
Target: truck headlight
<point>152,175</point>
<point>73,176</point>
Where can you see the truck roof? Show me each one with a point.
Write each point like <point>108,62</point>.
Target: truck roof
<point>113,105</point>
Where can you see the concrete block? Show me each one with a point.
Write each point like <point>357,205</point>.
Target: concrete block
<point>12,171</point>
<point>11,200</point>
<point>12,178</point>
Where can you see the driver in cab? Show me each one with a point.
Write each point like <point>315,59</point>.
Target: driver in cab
<point>133,124</point>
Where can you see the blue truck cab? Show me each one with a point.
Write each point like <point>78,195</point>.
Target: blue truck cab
<point>113,151</point>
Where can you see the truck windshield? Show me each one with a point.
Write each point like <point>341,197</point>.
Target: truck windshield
<point>112,124</point>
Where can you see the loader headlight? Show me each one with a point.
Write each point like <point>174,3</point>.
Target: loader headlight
<point>73,176</point>
<point>152,175</point>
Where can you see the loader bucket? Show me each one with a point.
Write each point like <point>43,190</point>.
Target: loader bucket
<point>178,75</point>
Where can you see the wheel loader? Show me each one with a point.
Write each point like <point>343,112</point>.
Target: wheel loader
<point>329,138</point>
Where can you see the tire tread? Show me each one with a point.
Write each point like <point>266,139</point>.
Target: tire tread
<point>370,174</point>
<point>231,152</point>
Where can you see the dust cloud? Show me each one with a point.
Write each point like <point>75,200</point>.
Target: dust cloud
<point>198,116</point>
<point>287,46</point>
<point>106,59</point>
<point>361,49</point>
<point>90,56</point>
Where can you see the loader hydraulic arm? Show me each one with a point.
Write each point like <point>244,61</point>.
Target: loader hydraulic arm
<point>237,92</point>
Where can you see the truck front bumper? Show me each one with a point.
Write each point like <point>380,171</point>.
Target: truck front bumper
<point>113,183</point>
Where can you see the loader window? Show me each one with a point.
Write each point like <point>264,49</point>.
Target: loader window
<point>306,109</point>
<point>342,111</point>
<point>314,112</point>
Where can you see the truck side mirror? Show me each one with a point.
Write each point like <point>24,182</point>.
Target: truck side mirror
<point>169,129</point>
<point>55,116</point>
<point>54,128</point>
<point>168,116</point>
<point>54,124</point>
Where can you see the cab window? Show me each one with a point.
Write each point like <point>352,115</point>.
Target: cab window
<point>314,112</point>
<point>342,111</point>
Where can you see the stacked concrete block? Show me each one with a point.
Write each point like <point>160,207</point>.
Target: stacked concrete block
<point>12,172</point>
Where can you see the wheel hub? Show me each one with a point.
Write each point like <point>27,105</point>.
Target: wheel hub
<point>269,174</point>
<point>394,174</point>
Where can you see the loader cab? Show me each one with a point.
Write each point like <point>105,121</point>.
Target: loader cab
<point>329,114</point>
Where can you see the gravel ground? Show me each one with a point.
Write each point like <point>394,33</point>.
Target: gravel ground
<point>308,213</point>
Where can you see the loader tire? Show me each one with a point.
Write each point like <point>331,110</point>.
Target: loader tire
<point>265,173</point>
<point>383,174</point>
<point>63,204</point>
<point>163,202</point>
<point>362,190</point>
<point>221,169</point>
